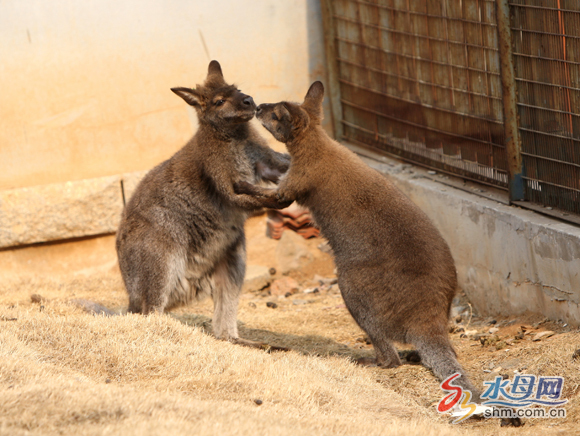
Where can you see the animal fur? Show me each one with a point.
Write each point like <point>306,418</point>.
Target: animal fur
<point>181,236</point>
<point>395,271</point>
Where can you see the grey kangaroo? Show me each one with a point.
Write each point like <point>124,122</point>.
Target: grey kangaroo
<point>395,271</point>
<point>181,235</point>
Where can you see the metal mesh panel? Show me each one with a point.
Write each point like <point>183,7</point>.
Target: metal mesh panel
<point>546,49</point>
<point>422,80</point>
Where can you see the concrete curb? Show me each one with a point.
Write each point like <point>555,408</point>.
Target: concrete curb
<point>63,211</point>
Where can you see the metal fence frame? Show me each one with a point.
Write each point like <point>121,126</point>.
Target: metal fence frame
<point>521,170</point>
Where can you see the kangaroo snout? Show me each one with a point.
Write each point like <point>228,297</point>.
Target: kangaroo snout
<point>249,101</point>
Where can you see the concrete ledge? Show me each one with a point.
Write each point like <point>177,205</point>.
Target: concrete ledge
<point>509,260</point>
<point>60,211</point>
<point>63,211</point>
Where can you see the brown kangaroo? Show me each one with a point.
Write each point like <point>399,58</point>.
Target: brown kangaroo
<point>181,235</point>
<point>395,270</point>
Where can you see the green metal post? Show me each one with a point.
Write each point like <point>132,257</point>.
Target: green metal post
<point>510,100</point>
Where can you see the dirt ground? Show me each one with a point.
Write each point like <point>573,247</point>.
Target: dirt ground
<point>63,371</point>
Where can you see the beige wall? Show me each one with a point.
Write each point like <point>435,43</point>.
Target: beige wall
<point>85,85</point>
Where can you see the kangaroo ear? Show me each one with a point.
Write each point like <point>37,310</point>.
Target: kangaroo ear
<point>215,69</point>
<point>313,100</point>
<point>190,96</point>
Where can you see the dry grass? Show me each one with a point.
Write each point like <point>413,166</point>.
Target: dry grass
<point>63,371</point>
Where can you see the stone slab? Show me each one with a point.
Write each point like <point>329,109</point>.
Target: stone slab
<point>60,211</point>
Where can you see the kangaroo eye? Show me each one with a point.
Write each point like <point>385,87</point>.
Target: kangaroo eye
<point>219,102</point>
<point>274,117</point>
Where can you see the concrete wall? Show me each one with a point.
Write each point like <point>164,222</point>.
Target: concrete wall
<point>84,86</point>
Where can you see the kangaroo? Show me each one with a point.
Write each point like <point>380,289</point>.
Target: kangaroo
<point>395,270</point>
<point>181,235</point>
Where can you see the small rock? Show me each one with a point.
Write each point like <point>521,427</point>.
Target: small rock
<point>334,290</point>
<point>493,322</point>
<point>108,381</point>
<point>511,364</point>
<point>511,422</point>
<point>489,340</point>
<point>257,278</point>
<point>271,305</point>
<point>272,271</point>
<point>432,173</point>
<point>329,281</point>
<point>299,302</point>
<point>493,330</point>
<point>258,401</point>
<point>543,335</point>
<point>576,354</point>
<point>287,294</point>
<point>456,329</point>
<point>292,252</point>
<point>458,311</point>
<point>283,286</point>
<point>36,298</point>
<point>500,345</point>
<point>311,291</point>
<point>458,319</point>
<point>252,305</point>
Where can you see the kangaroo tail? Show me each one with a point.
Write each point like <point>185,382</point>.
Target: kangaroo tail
<point>438,355</point>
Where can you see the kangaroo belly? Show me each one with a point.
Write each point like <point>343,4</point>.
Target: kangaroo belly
<point>196,267</point>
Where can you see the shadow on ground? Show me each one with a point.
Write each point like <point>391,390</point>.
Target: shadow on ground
<point>311,345</point>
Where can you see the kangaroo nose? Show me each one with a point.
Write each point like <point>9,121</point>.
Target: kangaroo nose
<point>249,101</point>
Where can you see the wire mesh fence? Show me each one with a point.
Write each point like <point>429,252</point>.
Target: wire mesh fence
<point>422,79</point>
<point>546,51</point>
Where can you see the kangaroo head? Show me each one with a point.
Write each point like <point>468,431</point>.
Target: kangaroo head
<point>217,103</point>
<point>286,121</point>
